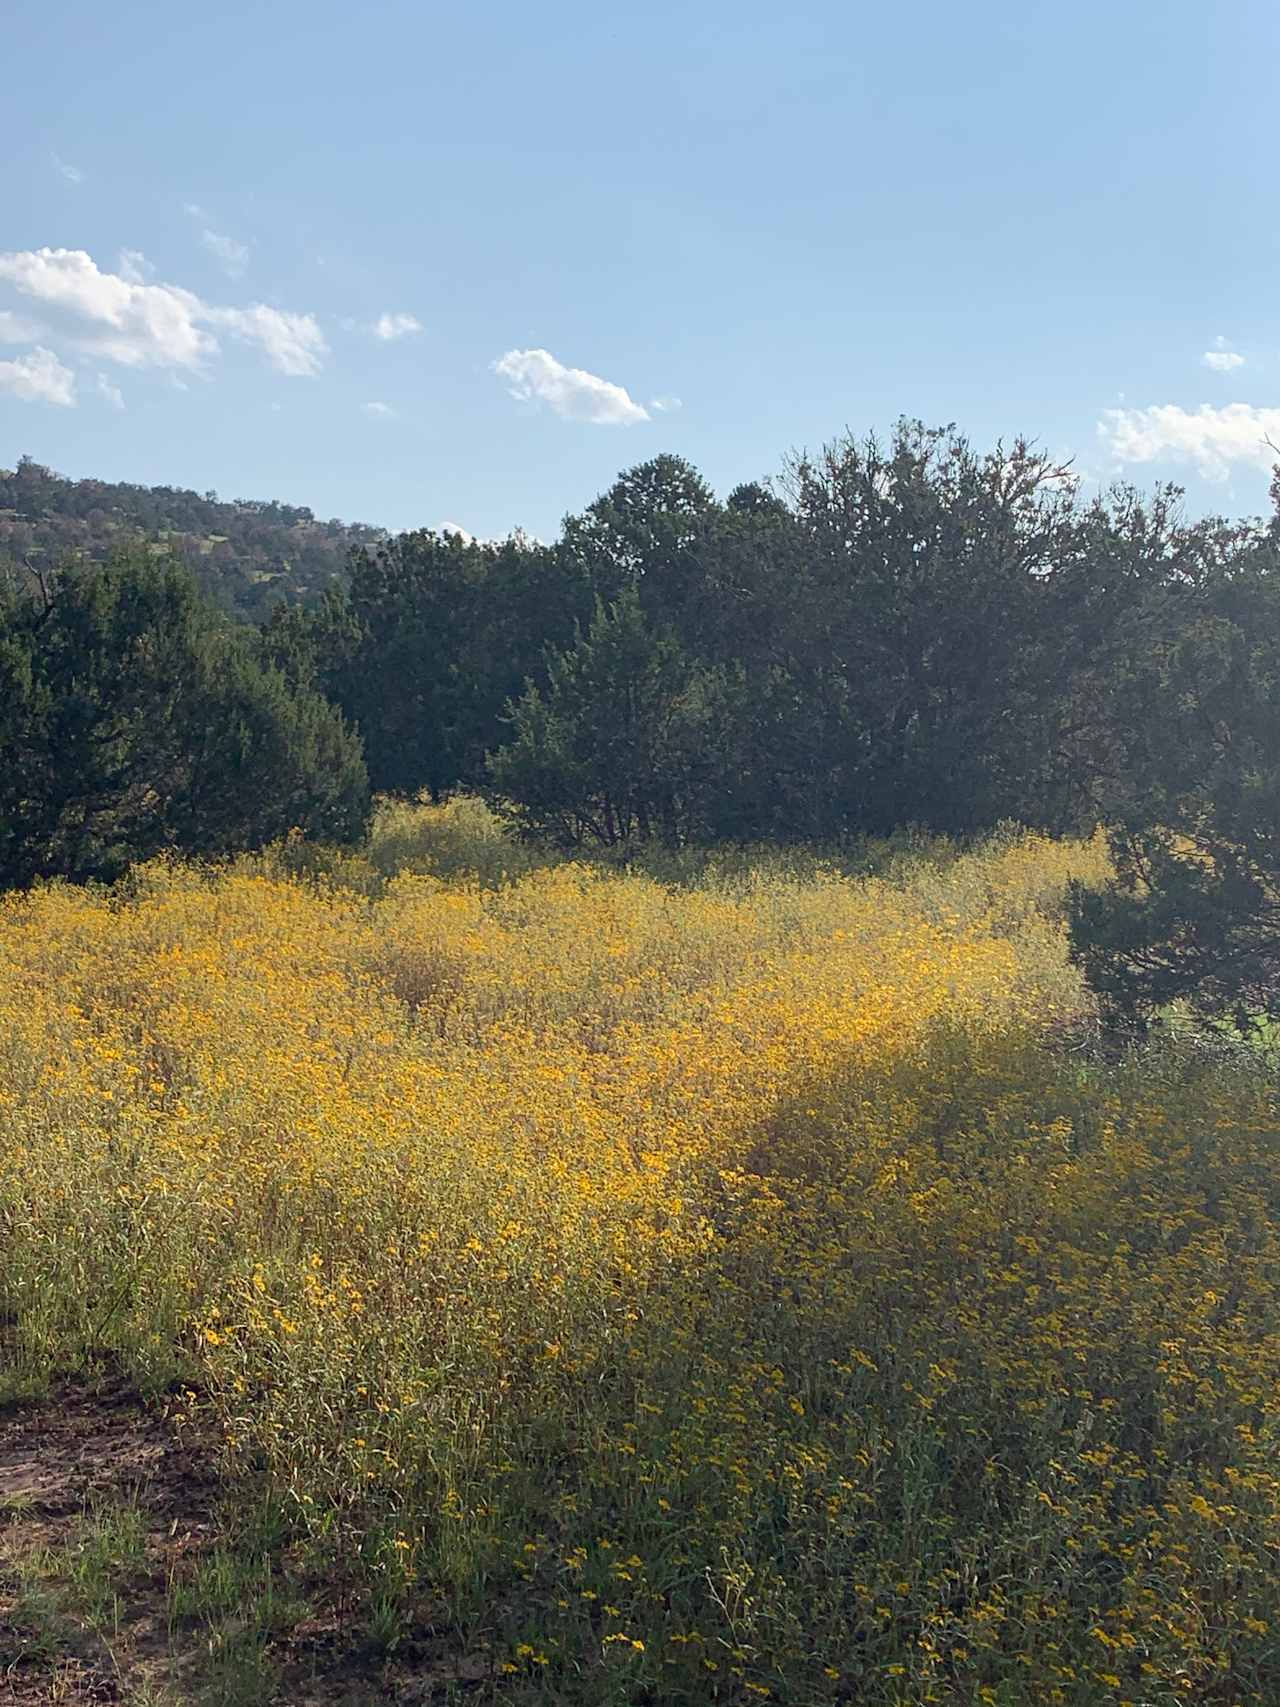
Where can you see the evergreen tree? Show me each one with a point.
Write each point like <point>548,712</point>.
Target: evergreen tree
<point>432,638</point>
<point>928,590</point>
<point>1193,913</point>
<point>136,720</point>
<point>621,743</point>
<point>649,532</point>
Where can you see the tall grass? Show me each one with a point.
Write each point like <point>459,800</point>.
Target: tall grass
<point>717,1285</point>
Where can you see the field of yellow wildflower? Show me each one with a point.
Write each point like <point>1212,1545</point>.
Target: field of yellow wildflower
<point>725,1284</point>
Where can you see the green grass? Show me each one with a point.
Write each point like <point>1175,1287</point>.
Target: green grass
<point>88,1597</point>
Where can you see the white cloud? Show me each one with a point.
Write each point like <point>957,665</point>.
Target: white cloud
<point>112,393</point>
<point>570,391</point>
<point>384,410</point>
<point>665,405</point>
<point>159,325</point>
<point>1210,438</point>
<point>517,536</point>
<point>1222,358</point>
<point>231,256</point>
<point>294,343</point>
<point>71,173</point>
<point>134,266</point>
<point>39,378</point>
<point>134,324</point>
<point>389,326</point>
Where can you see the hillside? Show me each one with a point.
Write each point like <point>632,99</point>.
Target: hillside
<point>248,554</point>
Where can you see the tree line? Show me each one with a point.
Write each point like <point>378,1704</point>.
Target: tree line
<point>889,634</point>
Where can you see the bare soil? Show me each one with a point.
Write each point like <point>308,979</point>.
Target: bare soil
<point>89,1448</point>
<point>85,1448</point>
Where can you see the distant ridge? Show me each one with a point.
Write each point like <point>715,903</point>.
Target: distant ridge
<point>248,554</point>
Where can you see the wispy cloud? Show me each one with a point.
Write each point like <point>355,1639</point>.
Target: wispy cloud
<point>66,170</point>
<point>39,377</point>
<point>1210,438</point>
<point>159,325</point>
<point>231,256</point>
<point>570,391</point>
<point>383,411</point>
<point>112,393</point>
<point>665,405</point>
<point>293,343</point>
<point>390,326</point>
<point>1222,358</point>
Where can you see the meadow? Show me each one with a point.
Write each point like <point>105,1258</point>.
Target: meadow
<point>733,1279</point>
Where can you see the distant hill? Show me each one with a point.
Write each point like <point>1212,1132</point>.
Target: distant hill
<point>248,554</point>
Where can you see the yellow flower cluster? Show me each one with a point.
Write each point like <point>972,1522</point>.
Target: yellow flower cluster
<point>730,1283</point>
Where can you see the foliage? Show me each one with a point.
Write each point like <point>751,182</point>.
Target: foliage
<point>936,567</point>
<point>625,744</point>
<point>718,1293</point>
<point>1193,914</point>
<point>424,649</point>
<point>907,633</point>
<point>901,634</point>
<point>247,555</point>
<point>649,534</point>
<point>134,720</point>
<point>893,637</point>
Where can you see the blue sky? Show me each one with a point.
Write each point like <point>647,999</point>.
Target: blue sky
<point>589,233</point>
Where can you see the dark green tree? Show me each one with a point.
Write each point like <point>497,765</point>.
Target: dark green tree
<point>136,719</point>
<point>929,592</point>
<point>624,742</point>
<point>433,636</point>
<point>651,531</point>
<point>725,585</point>
<point>1193,913</point>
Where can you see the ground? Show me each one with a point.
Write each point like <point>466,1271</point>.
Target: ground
<point>120,1583</point>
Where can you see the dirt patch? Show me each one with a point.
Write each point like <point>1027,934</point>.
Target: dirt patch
<point>85,1450</point>
<point>107,1509</point>
<point>65,1683</point>
<point>83,1444</point>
